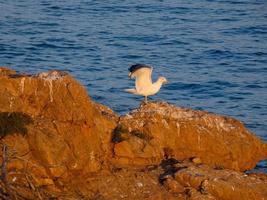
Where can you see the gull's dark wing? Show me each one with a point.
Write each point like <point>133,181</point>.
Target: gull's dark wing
<point>136,67</point>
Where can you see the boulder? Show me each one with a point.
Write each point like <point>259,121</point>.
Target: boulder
<point>220,184</point>
<point>159,130</point>
<point>50,123</point>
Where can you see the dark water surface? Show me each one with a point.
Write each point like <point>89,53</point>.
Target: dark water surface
<point>214,53</point>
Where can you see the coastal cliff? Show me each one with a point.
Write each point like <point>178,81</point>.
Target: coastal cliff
<point>58,143</point>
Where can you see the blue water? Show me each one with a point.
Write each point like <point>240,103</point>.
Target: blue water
<point>214,53</point>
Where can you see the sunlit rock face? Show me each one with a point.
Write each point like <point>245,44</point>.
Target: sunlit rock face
<point>204,182</point>
<point>158,130</point>
<point>50,118</point>
<point>56,141</point>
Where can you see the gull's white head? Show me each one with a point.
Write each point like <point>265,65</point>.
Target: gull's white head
<point>162,80</point>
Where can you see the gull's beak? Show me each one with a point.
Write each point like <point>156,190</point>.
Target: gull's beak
<point>166,82</point>
<point>130,75</point>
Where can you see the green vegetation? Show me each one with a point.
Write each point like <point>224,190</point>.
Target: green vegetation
<point>14,123</point>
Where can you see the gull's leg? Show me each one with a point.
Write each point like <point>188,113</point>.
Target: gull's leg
<point>145,99</point>
<point>144,102</point>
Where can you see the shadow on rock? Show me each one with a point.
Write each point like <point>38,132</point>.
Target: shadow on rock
<point>14,122</point>
<point>170,168</point>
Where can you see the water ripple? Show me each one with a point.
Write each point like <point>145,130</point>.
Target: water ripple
<point>214,53</point>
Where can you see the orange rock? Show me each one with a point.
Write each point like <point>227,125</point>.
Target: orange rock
<point>196,195</point>
<point>46,182</point>
<point>173,185</point>
<point>55,122</point>
<point>60,141</point>
<point>216,140</point>
<point>123,149</point>
<point>196,160</point>
<point>4,71</point>
<point>222,184</point>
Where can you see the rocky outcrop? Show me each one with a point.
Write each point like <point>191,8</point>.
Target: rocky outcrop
<point>200,181</point>
<point>173,179</point>
<point>57,143</point>
<point>52,126</point>
<point>159,130</point>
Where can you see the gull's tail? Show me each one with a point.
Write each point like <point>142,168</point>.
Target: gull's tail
<point>133,91</point>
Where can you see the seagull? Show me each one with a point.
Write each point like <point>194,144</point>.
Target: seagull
<point>143,82</point>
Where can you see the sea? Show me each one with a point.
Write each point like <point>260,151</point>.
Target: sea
<point>213,52</point>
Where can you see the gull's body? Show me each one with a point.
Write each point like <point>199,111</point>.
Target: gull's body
<point>143,82</point>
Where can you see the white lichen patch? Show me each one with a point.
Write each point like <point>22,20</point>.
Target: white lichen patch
<point>178,127</point>
<point>50,85</point>
<point>139,184</point>
<point>166,111</point>
<point>92,155</point>
<point>74,165</point>
<point>22,85</point>
<point>52,75</point>
<point>165,123</point>
<point>213,121</point>
<point>11,102</point>
<point>49,77</point>
<point>226,126</point>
